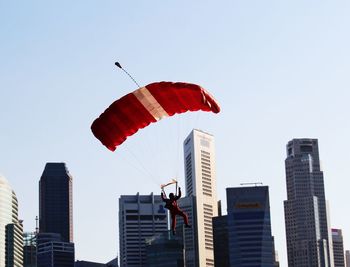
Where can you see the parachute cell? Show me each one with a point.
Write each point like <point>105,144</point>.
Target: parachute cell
<point>149,104</point>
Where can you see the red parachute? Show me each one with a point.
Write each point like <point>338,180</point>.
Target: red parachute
<point>149,104</point>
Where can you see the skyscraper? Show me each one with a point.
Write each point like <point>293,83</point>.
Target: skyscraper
<point>10,227</point>
<point>245,230</point>
<point>338,248</point>
<point>307,228</point>
<point>55,247</point>
<point>200,201</point>
<point>140,217</point>
<point>56,201</point>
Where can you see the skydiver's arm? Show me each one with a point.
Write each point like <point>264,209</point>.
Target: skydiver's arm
<point>179,195</point>
<point>163,197</point>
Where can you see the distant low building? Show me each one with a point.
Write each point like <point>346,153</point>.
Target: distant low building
<point>165,250</point>
<point>29,249</point>
<point>53,252</point>
<point>338,248</point>
<point>347,258</point>
<point>112,263</point>
<point>88,264</point>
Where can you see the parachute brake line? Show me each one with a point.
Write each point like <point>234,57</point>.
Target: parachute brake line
<point>127,73</point>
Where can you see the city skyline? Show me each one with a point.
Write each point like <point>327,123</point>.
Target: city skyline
<point>194,144</point>
<point>278,69</point>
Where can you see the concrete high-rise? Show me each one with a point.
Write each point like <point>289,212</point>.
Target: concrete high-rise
<point>338,248</point>
<point>140,217</point>
<point>55,247</point>
<point>307,227</point>
<point>11,253</point>
<point>200,201</point>
<point>244,235</point>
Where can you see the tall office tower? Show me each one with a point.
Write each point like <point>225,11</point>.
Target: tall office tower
<point>247,229</point>
<point>306,221</point>
<point>56,201</point>
<point>29,249</point>
<point>347,258</point>
<point>140,217</point>
<point>55,247</point>
<point>338,248</point>
<point>200,179</point>
<point>10,227</point>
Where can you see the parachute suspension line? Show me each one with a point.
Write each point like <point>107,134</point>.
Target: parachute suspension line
<point>136,167</point>
<point>177,166</point>
<point>127,73</point>
<point>146,171</point>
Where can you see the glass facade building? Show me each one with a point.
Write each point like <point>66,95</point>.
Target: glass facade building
<point>56,201</point>
<point>55,247</point>
<point>243,236</point>
<point>55,253</point>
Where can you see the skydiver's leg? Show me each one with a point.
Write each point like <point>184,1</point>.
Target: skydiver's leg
<point>173,222</point>
<point>184,216</point>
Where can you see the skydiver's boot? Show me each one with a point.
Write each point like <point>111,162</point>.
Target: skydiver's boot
<point>188,226</point>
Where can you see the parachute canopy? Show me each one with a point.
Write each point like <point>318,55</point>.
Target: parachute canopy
<point>149,104</point>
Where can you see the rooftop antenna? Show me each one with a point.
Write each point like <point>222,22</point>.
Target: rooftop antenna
<point>127,73</point>
<point>36,225</point>
<point>255,184</point>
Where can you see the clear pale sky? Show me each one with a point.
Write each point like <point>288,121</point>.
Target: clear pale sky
<point>280,70</point>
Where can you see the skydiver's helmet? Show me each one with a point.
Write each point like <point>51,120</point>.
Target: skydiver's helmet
<point>171,196</point>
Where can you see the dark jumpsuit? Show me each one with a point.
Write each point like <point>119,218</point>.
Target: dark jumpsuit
<point>174,209</point>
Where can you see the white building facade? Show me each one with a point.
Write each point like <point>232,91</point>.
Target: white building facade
<point>140,217</point>
<point>201,199</point>
<point>10,227</point>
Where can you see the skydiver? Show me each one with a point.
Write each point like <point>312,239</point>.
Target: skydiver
<point>171,205</point>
